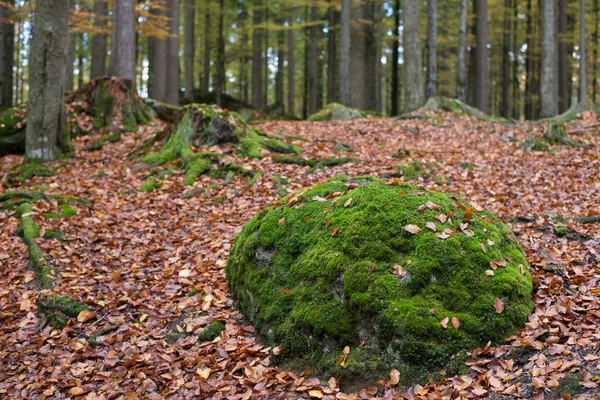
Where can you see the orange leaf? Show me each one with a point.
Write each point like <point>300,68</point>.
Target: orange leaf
<point>335,230</point>
<point>286,291</point>
<point>444,323</point>
<point>455,323</point>
<point>281,221</point>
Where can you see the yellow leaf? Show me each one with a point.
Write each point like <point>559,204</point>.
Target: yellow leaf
<point>76,391</point>
<point>315,393</point>
<point>347,203</point>
<point>85,315</point>
<point>203,373</point>
<point>143,317</point>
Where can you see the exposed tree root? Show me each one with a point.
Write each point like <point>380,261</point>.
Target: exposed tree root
<point>57,310</point>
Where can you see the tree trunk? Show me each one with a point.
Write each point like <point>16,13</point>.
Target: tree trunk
<point>583,54</point>
<point>547,78</point>
<point>99,40</point>
<point>345,52</point>
<point>257,59</point>
<point>395,59</point>
<point>206,61</point>
<point>189,19</point>
<point>595,63</point>
<point>172,91</point>
<point>125,39</point>
<point>70,61</point>
<point>563,71</point>
<point>280,66</point>
<point>291,65</point>
<point>112,62</point>
<point>158,89</point>
<point>266,57</point>
<point>7,54</point>
<point>46,119</point>
<point>220,58</point>
<point>461,79</point>
<point>529,65</point>
<point>332,61</point>
<point>313,68</point>
<point>431,87</point>
<point>413,69</point>
<point>506,81</point>
<point>482,89</point>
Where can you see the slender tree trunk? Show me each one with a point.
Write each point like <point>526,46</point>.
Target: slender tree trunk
<point>70,61</point>
<point>189,19</point>
<point>332,60</point>
<point>375,52</point>
<point>583,53</point>
<point>515,46</point>
<point>17,98</point>
<point>413,69</point>
<point>125,39</point>
<point>244,54</point>
<point>595,63</point>
<point>172,90</point>
<point>280,66</point>
<point>158,89</point>
<point>306,73</point>
<point>206,61</point>
<point>547,78</point>
<point>461,79</point>
<point>506,81</point>
<point>395,89</point>
<point>7,54</point>
<point>345,52</point>
<point>257,59</point>
<point>482,90</point>
<point>432,15</point>
<point>266,57</point>
<point>80,65</point>
<point>529,66</point>
<point>112,62</point>
<point>313,68</point>
<point>46,120</point>
<point>220,58</point>
<point>99,40</point>
<point>563,71</point>
<point>291,65</point>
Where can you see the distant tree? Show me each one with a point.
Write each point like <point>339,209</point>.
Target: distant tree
<point>206,59</point>
<point>549,105</point>
<point>332,53</point>
<point>461,77</point>
<point>220,81</point>
<point>583,55</point>
<point>70,61</point>
<point>7,51</point>
<point>395,89</point>
<point>125,39</point>
<point>172,90</point>
<point>257,58</point>
<point>432,16</point>
<point>345,52</point>
<point>98,68</point>
<point>46,130</point>
<point>563,58</point>
<point>189,22</point>
<point>413,67</point>
<point>506,109</point>
<point>481,70</point>
<point>313,70</point>
<point>291,64</point>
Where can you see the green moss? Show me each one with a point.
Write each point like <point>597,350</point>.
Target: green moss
<point>336,111</point>
<point>52,234</point>
<point>467,166</point>
<point>66,211</point>
<point>294,160</point>
<point>278,146</point>
<point>98,144</point>
<point>149,185</point>
<point>535,144</point>
<point>441,180</point>
<point>211,331</point>
<point>250,148</point>
<point>28,170</point>
<point>412,170</point>
<point>318,274</point>
<point>194,168</point>
<point>11,199</point>
<point>343,147</point>
<point>59,309</point>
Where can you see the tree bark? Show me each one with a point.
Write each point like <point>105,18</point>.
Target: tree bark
<point>332,60</point>
<point>432,16</point>
<point>563,71</point>
<point>413,69</point>
<point>395,89</point>
<point>189,22</point>
<point>345,52</point>
<point>595,63</point>
<point>220,58</point>
<point>70,61</point>
<point>482,89</point>
<point>313,68</point>
<point>506,81</point>
<point>7,54</point>
<point>461,78</point>
<point>583,54</point>
<point>158,89</point>
<point>125,39</point>
<point>291,65</point>
<point>46,119</point>
<point>257,58</point>
<point>547,78</point>
<point>172,91</point>
<point>98,68</point>
<point>280,66</point>
<point>206,62</point>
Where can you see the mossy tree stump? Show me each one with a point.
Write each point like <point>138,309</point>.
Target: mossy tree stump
<point>403,276</point>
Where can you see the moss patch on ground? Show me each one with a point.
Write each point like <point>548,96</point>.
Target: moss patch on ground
<point>337,265</point>
<point>337,112</point>
<point>211,331</point>
<point>57,310</point>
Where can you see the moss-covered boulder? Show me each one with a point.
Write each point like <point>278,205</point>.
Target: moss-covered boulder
<point>402,276</point>
<point>336,112</point>
<point>12,130</point>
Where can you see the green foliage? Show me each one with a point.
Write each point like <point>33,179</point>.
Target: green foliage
<point>28,170</point>
<point>66,211</point>
<point>11,199</point>
<point>98,144</point>
<point>59,309</point>
<point>149,185</point>
<point>334,267</point>
<point>211,331</point>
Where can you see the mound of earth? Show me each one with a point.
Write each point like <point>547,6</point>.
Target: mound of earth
<point>404,277</point>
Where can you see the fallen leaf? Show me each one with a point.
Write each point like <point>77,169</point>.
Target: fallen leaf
<point>432,206</point>
<point>281,221</point>
<point>394,377</point>
<point>499,305</point>
<point>335,230</point>
<point>455,323</point>
<point>412,229</point>
<point>444,322</point>
<point>203,372</point>
<point>431,226</point>
<point>347,203</point>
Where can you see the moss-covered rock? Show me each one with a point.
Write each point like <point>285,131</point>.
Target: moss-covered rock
<point>57,310</point>
<point>386,269</point>
<point>12,130</point>
<point>336,112</point>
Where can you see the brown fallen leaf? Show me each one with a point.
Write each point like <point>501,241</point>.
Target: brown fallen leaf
<point>412,229</point>
<point>394,377</point>
<point>347,203</point>
<point>431,225</point>
<point>444,322</point>
<point>499,305</point>
<point>335,230</point>
<point>455,323</point>
<point>281,221</point>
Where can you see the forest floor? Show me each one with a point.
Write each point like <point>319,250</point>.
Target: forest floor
<point>145,262</point>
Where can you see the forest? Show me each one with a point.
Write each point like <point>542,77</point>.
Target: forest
<point>286,199</point>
